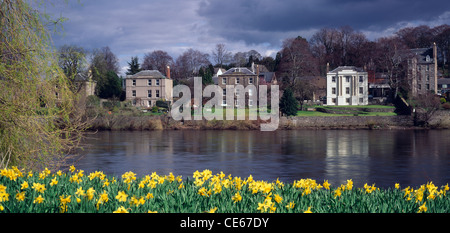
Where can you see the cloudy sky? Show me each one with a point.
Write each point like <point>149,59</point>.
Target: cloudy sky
<point>135,27</point>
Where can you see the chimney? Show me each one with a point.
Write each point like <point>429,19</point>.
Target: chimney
<point>257,70</point>
<point>328,67</point>
<point>435,67</point>
<point>168,72</point>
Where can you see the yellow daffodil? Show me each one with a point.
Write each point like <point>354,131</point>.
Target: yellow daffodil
<point>24,185</point>
<point>422,208</point>
<point>53,182</point>
<point>121,210</point>
<point>236,198</point>
<point>278,198</point>
<point>326,185</point>
<point>20,196</point>
<point>213,210</point>
<point>308,210</point>
<point>122,196</point>
<point>39,187</point>
<point>38,200</point>
<point>291,205</point>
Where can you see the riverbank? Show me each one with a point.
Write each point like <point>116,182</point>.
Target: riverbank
<point>441,120</point>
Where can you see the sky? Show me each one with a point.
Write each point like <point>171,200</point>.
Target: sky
<point>136,27</point>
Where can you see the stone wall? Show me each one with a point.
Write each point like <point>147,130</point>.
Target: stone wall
<point>346,122</point>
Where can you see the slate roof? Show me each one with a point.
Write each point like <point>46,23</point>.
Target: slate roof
<point>422,53</point>
<point>147,74</point>
<point>238,71</point>
<point>341,68</point>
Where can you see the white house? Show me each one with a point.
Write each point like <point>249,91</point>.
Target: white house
<point>347,85</point>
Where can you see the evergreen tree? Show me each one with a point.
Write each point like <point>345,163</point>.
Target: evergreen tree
<point>134,66</point>
<point>110,86</point>
<point>288,104</point>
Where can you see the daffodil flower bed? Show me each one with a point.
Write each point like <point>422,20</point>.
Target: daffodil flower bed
<point>76,192</point>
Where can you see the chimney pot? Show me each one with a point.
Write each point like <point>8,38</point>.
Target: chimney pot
<point>168,72</point>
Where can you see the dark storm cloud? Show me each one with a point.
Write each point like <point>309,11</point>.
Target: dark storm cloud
<point>234,18</point>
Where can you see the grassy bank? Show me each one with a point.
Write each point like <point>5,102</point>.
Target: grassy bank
<point>76,192</point>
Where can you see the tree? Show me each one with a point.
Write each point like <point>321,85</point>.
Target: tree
<point>110,87</point>
<point>425,106</point>
<point>221,55</point>
<point>102,62</point>
<point>157,60</point>
<point>189,62</point>
<point>72,60</point>
<point>303,90</point>
<point>134,66</point>
<point>206,73</point>
<point>288,104</point>
<point>296,60</point>
<point>39,122</point>
<point>391,59</point>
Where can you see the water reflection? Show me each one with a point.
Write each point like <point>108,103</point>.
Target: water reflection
<point>380,157</point>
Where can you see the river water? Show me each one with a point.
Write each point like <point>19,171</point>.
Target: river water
<point>380,157</point>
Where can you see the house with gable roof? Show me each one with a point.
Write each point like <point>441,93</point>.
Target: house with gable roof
<point>146,87</point>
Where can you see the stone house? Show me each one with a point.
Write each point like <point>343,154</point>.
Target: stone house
<point>347,85</point>
<point>146,87</point>
<point>239,76</point>
<point>422,70</point>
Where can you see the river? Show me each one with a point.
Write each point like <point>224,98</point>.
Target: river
<point>380,157</point>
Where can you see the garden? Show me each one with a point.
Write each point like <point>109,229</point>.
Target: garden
<point>76,192</point>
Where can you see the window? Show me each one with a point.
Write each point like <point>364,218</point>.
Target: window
<point>224,91</point>
<point>237,81</point>
<point>333,100</point>
<point>333,79</point>
<point>149,82</point>
<point>237,92</point>
<point>347,90</point>
<point>224,102</point>
<point>420,87</point>
<point>250,80</point>
<point>428,86</point>
<point>428,67</point>
<point>347,79</point>
<point>133,93</point>
<point>361,79</point>
<point>224,81</point>
<point>361,90</point>
<point>157,82</point>
<point>149,93</point>
<point>361,100</point>
<point>347,100</point>
<point>250,93</point>
<point>428,77</point>
<point>134,82</point>
<point>250,102</point>
<point>333,91</point>
<point>157,93</point>
<point>149,103</point>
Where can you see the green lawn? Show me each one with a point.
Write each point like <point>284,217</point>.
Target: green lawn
<point>317,113</point>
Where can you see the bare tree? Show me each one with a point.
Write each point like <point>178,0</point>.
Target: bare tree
<point>190,62</point>
<point>157,60</point>
<point>391,58</point>
<point>221,55</point>
<point>297,60</point>
<point>425,106</point>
